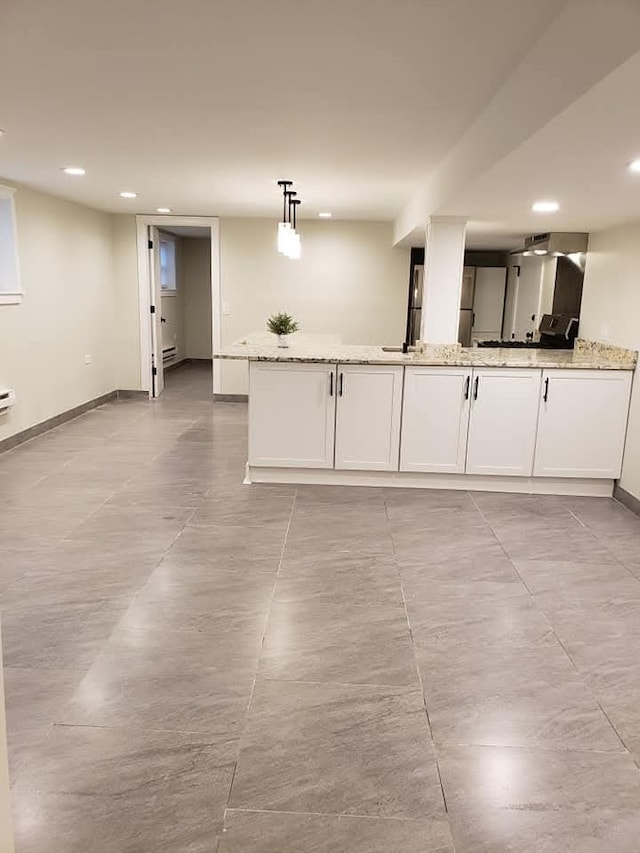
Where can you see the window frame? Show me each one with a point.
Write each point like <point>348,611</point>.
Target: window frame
<point>13,296</point>
<point>165,237</point>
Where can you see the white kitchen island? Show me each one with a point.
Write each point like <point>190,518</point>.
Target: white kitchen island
<point>532,421</point>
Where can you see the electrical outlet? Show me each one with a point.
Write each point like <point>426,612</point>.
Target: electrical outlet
<point>226,309</point>
<point>87,359</point>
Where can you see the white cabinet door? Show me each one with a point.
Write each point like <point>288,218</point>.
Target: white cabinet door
<point>368,417</point>
<point>503,421</point>
<point>583,422</point>
<point>291,415</point>
<point>435,417</point>
<point>488,301</point>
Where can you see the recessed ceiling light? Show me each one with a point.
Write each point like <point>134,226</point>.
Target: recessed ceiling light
<point>325,215</point>
<point>546,206</point>
<point>74,170</point>
<point>634,166</point>
<point>163,210</point>
<point>540,251</point>
<point>1,132</point>
<point>127,194</point>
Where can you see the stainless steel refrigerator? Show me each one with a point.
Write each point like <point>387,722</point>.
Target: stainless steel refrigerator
<point>415,305</point>
<point>466,306</point>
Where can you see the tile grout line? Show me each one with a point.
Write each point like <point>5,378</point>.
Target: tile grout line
<point>502,548</point>
<point>614,558</point>
<point>357,815</point>
<point>418,673</point>
<point>255,677</point>
<point>555,634</point>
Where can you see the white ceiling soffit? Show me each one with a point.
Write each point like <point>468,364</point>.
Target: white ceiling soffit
<point>579,159</point>
<point>585,43</point>
<point>480,235</point>
<point>200,106</point>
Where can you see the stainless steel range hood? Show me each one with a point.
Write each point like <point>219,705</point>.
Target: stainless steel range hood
<point>564,253</point>
<point>555,243</point>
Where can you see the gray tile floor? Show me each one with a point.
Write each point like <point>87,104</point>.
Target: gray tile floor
<point>197,665</point>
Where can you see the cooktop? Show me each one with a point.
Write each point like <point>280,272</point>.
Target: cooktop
<point>526,344</point>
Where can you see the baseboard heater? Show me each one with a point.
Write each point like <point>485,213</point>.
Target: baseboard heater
<point>7,399</point>
<point>169,353</point>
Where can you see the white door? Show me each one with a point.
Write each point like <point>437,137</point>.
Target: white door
<point>583,422</point>
<point>488,300</point>
<point>503,421</point>
<point>291,415</point>
<point>157,370</point>
<point>435,419</point>
<point>527,315</point>
<point>368,412</point>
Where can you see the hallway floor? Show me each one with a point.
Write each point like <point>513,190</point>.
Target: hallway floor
<point>197,666</point>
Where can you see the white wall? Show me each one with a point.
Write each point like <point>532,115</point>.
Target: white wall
<point>126,336</point>
<point>611,313</point>
<point>80,276</point>
<point>67,274</point>
<point>196,275</point>
<point>350,281</point>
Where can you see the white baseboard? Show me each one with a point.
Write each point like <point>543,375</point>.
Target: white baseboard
<point>573,486</point>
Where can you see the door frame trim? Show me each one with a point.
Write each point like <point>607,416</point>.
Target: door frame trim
<point>144,289</point>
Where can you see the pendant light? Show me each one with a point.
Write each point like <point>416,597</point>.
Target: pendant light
<point>295,246</point>
<point>288,234</point>
<point>284,227</point>
<point>288,238</point>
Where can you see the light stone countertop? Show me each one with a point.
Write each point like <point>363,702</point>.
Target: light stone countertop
<point>586,356</point>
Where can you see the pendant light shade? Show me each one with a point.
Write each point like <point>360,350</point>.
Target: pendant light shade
<point>284,227</point>
<point>288,239</point>
<point>284,233</point>
<point>295,247</point>
<point>295,244</point>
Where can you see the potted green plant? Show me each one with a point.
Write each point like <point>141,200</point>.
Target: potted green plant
<point>282,325</point>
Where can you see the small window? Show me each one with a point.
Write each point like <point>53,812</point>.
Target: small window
<point>10,291</point>
<point>167,263</point>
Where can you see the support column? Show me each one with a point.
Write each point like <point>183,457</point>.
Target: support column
<point>443,263</point>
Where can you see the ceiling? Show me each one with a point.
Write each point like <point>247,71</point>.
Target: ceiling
<point>377,109</point>
<point>579,159</point>
<point>201,105</point>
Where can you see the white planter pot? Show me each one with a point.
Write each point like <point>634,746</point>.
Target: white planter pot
<point>283,340</point>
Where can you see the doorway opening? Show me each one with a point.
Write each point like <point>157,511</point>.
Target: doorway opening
<point>179,289</point>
